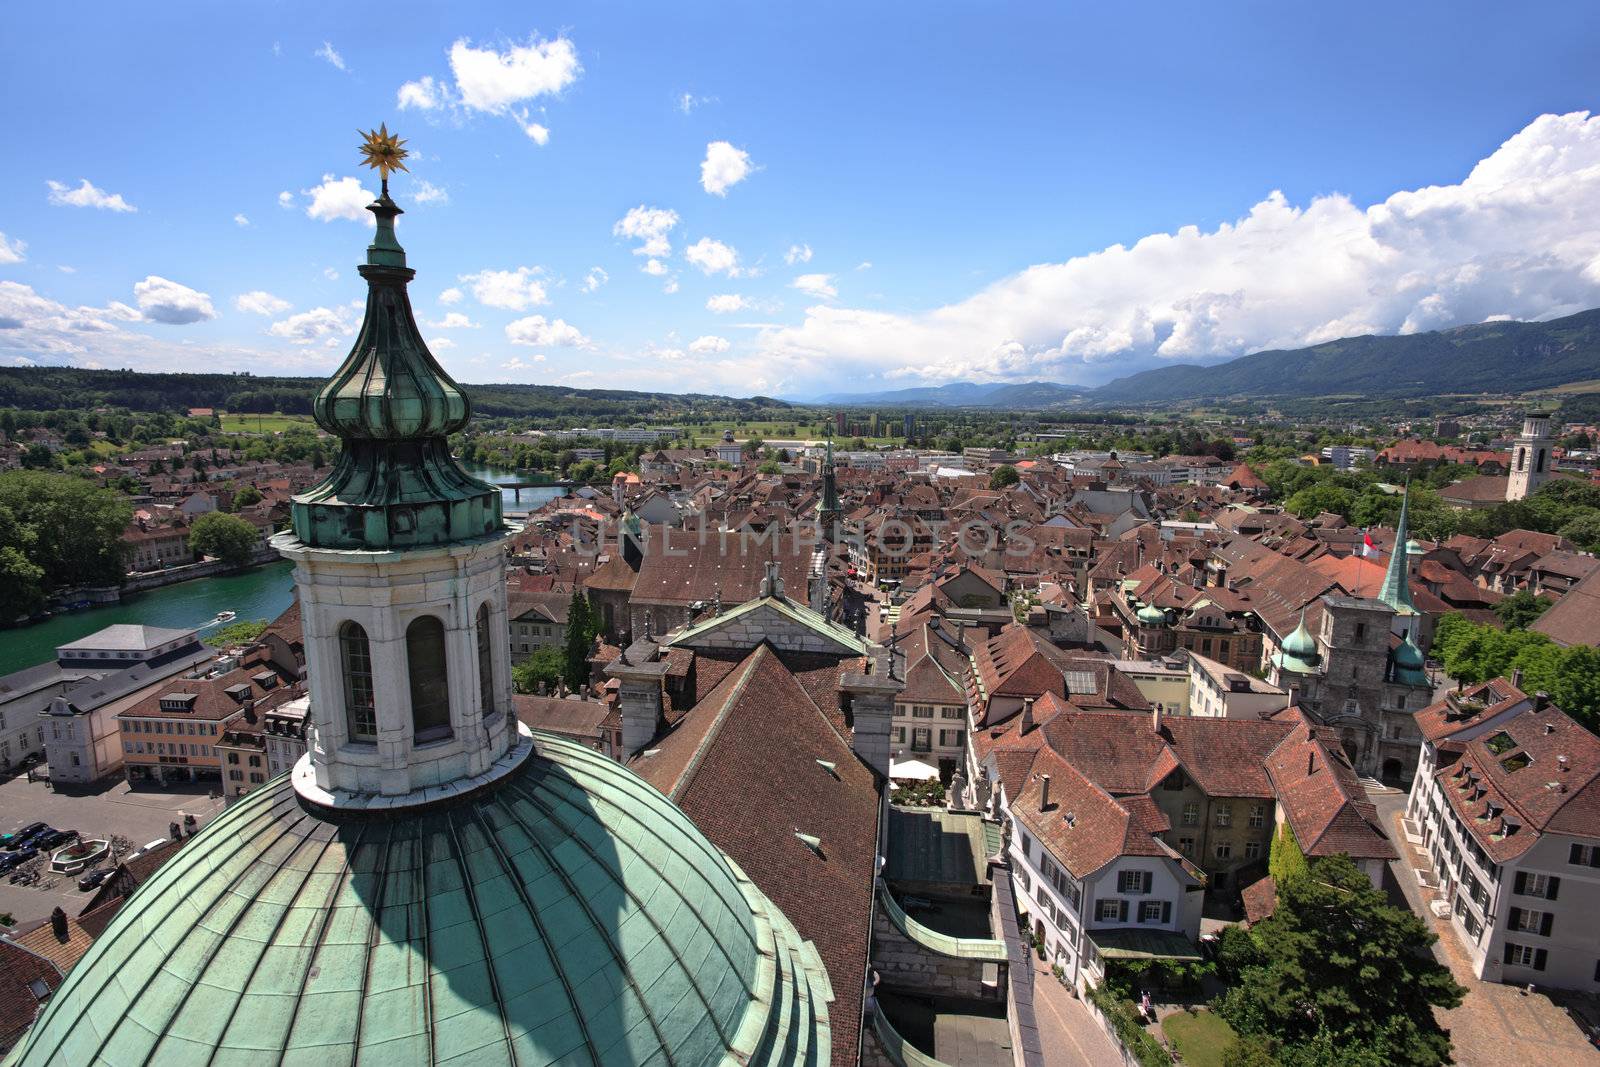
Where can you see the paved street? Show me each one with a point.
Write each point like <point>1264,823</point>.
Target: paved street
<point>1068,1034</point>
<point>139,816</point>
<point>1496,1024</point>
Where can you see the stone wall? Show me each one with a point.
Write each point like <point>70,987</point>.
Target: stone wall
<point>904,965</point>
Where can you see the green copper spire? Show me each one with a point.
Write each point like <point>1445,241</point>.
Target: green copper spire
<point>828,503</point>
<point>1396,591</point>
<point>395,484</point>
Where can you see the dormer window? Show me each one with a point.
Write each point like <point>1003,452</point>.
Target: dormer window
<point>178,702</point>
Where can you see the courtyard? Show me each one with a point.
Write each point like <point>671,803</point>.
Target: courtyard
<point>111,810</point>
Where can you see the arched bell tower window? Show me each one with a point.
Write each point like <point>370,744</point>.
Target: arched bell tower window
<point>485,663</point>
<point>430,684</point>
<point>355,654</point>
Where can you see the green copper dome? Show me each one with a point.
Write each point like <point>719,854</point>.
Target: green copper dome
<point>1299,652</point>
<point>567,912</point>
<point>395,484</point>
<point>1150,615</point>
<point>1409,663</point>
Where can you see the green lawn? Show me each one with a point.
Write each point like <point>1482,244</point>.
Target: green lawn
<point>264,423</point>
<point>1200,1037</point>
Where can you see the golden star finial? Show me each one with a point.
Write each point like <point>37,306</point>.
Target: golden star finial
<point>382,150</point>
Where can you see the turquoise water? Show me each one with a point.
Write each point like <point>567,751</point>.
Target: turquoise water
<point>531,498</point>
<point>261,593</point>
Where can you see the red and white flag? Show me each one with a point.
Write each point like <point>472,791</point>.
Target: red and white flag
<point>1367,547</point>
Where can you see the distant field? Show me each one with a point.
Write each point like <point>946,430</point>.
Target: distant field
<point>1590,386</point>
<point>264,423</point>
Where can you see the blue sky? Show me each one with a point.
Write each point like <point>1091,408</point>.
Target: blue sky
<point>895,194</point>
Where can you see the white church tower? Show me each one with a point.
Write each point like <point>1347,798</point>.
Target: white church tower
<point>400,569</point>
<point>1530,457</point>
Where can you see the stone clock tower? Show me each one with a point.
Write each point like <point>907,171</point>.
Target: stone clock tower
<point>399,567</point>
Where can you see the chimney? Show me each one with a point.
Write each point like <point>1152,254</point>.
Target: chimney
<point>1564,763</point>
<point>1541,700</point>
<point>639,677</point>
<point>1155,717</point>
<point>1311,762</point>
<point>1044,792</point>
<point>1516,677</point>
<point>58,924</point>
<point>1027,715</point>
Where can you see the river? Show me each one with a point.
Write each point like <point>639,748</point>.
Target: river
<point>261,593</point>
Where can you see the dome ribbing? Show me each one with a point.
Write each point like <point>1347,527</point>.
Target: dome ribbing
<point>569,912</point>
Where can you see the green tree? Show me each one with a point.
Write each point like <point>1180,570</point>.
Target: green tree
<point>21,584</point>
<point>1583,531</point>
<point>1520,608</point>
<point>580,639</point>
<point>547,665</point>
<point>226,537</point>
<point>770,466</point>
<point>70,529</point>
<point>1313,500</point>
<point>39,458</point>
<point>1339,972</point>
<point>1004,476</point>
<point>245,497</point>
<point>238,633</point>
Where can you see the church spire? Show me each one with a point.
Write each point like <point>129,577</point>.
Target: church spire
<point>828,502</point>
<point>1396,590</point>
<point>395,484</point>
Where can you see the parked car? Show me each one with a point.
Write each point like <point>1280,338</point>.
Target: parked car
<point>93,878</point>
<point>150,846</point>
<point>53,838</point>
<point>17,838</point>
<point>16,859</point>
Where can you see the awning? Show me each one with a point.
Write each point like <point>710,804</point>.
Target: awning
<point>912,770</point>
<point>1143,945</point>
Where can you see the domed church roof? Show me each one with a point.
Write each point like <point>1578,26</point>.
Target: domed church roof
<point>566,912</point>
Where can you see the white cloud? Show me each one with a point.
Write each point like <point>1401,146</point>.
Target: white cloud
<point>538,134</point>
<point>451,295</point>
<point>713,257</point>
<point>242,221</point>
<point>12,250</point>
<point>168,302</point>
<point>518,363</point>
<point>595,279</point>
<point>441,343</point>
<point>487,80</point>
<point>1519,235</point>
<point>64,269</point>
<point>670,286</point>
<point>514,290</point>
<point>797,254</point>
<point>687,102</point>
<point>260,302</point>
<point>654,267</point>
<point>724,167</point>
<point>650,227</point>
<point>538,332</point>
<point>425,94</point>
<point>865,264</point>
<point>710,344</point>
<point>286,200</point>
<point>330,274</point>
<point>87,195</point>
<point>327,52</point>
<point>454,321</point>
<point>819,285</point>
<point>339,198</point>
<point>312,326</point>
<point>726,303</point>
<point>425,192</point>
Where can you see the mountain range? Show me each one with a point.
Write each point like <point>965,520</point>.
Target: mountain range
<point>1487,357</point>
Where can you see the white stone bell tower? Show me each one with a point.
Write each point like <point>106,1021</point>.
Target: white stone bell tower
<point>1530,457</point>
<point>400,571</point>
